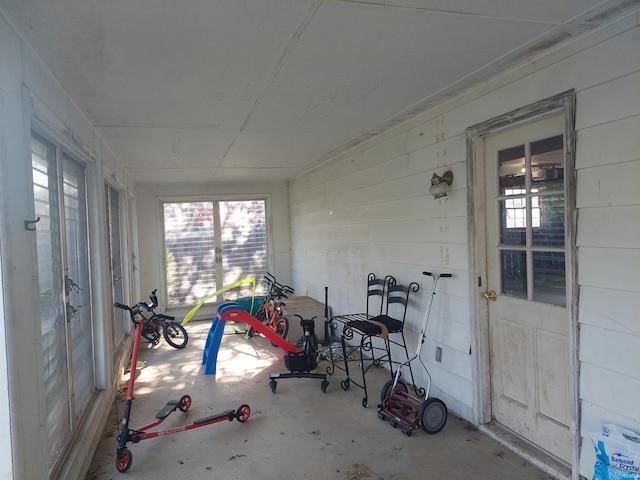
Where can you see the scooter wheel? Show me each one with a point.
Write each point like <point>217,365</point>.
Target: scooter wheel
<point>432,415</point>
<point>243,413</point>
<point>324,385</point>
<point>273,385</point>
<point>124,459</point>
<point>185,403</point>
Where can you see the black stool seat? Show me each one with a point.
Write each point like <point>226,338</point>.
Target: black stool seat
<point>379,326</point>
<point>365,327</point>
<point>393,324</point>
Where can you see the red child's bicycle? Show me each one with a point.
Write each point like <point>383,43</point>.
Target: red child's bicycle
<point>124,457</point>
<point>271,312</point>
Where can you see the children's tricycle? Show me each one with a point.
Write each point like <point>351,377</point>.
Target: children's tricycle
<point>124,457</point>
<point>403,410</point>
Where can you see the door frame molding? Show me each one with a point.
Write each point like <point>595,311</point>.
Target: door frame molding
<point>561,104</point>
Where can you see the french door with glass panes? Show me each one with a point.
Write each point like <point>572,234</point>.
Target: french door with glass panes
<point>64,300</point>
<point>212,244</point>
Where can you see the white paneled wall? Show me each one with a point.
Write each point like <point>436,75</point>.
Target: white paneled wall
<point>608,202</point>
<point>32,98</point>
<point>369,210</point>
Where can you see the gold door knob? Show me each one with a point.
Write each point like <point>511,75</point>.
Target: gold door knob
<point>490,296</point>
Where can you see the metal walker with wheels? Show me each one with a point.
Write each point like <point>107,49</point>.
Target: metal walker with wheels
<point>407,412</point>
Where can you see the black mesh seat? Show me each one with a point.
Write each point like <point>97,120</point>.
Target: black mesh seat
<point>367,327</point>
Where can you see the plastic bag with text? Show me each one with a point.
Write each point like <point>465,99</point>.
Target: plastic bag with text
<point>617,452</point>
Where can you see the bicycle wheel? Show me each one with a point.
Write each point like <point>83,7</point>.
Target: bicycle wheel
<point>175,335</point>
<point>281,327</point>
<point>150,334</point>
<point>260,315</point>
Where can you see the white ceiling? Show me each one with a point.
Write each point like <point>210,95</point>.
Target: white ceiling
<point>244,90</point>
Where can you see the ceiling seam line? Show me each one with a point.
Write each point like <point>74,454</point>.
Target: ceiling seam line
<point>285,54</point>
<point>436,11</point>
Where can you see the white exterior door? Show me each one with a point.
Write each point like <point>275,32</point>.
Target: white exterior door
<point>527,283</point>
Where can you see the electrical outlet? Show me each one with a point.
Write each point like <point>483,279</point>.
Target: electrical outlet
<point>438,354</point>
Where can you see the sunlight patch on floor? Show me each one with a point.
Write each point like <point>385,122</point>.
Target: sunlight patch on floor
<point>242,361</point>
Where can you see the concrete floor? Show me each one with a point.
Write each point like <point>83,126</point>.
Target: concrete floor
<point>298,432</point>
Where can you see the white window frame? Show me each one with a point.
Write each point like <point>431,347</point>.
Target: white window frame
<point>178,309</point>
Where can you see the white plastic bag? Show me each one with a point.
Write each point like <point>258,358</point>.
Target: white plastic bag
<point>617,452</point>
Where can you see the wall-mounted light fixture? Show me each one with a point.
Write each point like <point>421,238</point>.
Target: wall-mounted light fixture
<point>440,184</point>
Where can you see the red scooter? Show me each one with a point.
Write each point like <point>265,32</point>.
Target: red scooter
<point>124,457</point>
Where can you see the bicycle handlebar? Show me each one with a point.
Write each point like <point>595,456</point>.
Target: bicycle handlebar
<point>149,308</point>
<point>131,311</point>
<point>276,289</point>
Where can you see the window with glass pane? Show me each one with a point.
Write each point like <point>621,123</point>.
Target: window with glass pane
<point>64,298</point>
<point>513,265</point>
<point>532,216</point>
<point>50,300</point>
<point>78,285</point>
<point>549,278</point>
<point>243,239</point>
<point>120,318</point>
<point>209,245</point>
<point>190,252</point>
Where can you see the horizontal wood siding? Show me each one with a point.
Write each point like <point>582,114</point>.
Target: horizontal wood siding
<point>369,211</point>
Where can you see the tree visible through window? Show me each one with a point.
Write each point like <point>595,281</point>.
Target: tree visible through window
<point>209,245</point>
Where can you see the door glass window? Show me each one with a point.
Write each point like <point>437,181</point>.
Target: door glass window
<point>190,252</point>
<point>64,299</point>
<point>514,273</point>
<point>77,284</point>
<point>51,298</point>
<point>120,317</point>
<point>531,204</point>
<point>549,277</point>
<point>243,232</point>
